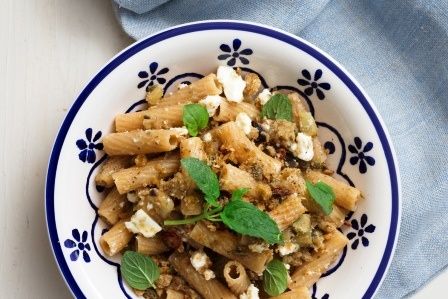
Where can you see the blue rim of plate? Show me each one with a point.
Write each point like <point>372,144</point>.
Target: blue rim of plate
<point>221,25</point>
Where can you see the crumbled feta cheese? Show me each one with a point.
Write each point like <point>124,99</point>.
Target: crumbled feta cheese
<point>288,248</point>
<point>303,148</point>
<point>266,125</point>
<point>207,137</point>
<point>199,260</point>
<point>180,131</point>
<point>264,96</point>
<point>143,224</point>
<point>287,266</point>
<point>244,122</point>
<point>149,206</point>
<point>251,293</point>
<point>132,197</point>
<point>232,82</point>
<point>209,274</point>
<point>182,85</point>
<point>258,248</point>
<point>211,103</point>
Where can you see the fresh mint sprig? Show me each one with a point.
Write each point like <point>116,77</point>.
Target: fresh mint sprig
<point>322,194</point>
<point>275,278</point>
<point>139,271</point>
<point>277,107</point>
<point>240,216</point>
<point>195,118</point>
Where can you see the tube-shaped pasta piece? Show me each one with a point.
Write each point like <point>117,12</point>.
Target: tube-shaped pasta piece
<point>288,211</point>
<point>129,121</point>
<point>236,277</point>
<point>299,293</point>
<point>112,206</point>
<point>234,140</point>
<point>209,289</point>
<point>320,155</point>
<point>150,246</point>
<point>297,106</point>
<point>226,244</point>
<point>163,117</point>
<point>116,239</point>
<point>172,294</point>
<point>192,147</point>
<point>346,196</point>
<point>228,111</point>
<point>307,274</point>
<point>194,92</point>
<point>232,178</point>
<point>337,216</point>
<point>136,177</point>
<point>140,142</point>
<point>110,166</point>
<point>191,204</point>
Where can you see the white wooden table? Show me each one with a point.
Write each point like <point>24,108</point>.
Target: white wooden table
<point>49,50</point>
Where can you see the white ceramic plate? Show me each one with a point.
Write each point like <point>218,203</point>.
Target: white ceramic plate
<point>349,127</point>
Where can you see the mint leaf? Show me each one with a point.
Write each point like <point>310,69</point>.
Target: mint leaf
<point>204,177</point>
<point>195,118</point>
<point>247,219</point>
<point>322,194</point>
<point>239,193</point>
<point>275,278</point>
<point>139,271</point>
<point>278,107</point>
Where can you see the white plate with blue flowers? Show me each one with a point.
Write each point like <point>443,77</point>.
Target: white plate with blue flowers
<point>350,128</point>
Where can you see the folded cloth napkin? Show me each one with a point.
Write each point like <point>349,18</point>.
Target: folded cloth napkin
<point>398,50</point>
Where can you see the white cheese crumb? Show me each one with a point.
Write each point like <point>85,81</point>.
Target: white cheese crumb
<point>209,274</point>
<point>266,125</point>
<point>180,131</point>
<point>244,122</point>
<point>143,224</point>
<point>258,248</point>
<point>303,149</point>
<point>207,137</point>
<point>288,248</point>
<point>251,293</point>
<point>182,85</point>
<point>287,266</point>
<point>149,206</point>
<point>211,103</point>
<point>264,96</point>
<point>199,260</point>
<point>232,82</point>
<point>132,197</point>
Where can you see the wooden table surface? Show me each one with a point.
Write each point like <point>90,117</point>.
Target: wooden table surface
<point>49,50</point>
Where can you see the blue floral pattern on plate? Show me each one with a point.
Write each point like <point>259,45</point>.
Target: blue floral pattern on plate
<point>233,53</point>
<point>88,146</point>
<point>153,75</point>
<point>313,84</point>
<point>361,228</point>
<point>360,154</point>
<point>79,245</point>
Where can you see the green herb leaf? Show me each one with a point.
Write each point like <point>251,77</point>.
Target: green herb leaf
<point>275,278</point>
<point>322,194</point>
<point>247,219</point>
<point>239,193</point>
<point>139,271</point>
<point>278,107</point>
<point>195,118</point>
<point>204,177</point>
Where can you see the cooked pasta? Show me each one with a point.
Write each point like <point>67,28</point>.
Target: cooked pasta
<point>213,183</point>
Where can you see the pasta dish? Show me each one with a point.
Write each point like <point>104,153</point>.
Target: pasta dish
<point>220,190</point>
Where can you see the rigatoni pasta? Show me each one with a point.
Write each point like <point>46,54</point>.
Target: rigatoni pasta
<point>216,185</point>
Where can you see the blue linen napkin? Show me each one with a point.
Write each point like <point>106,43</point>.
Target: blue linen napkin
<point>398,50</point>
